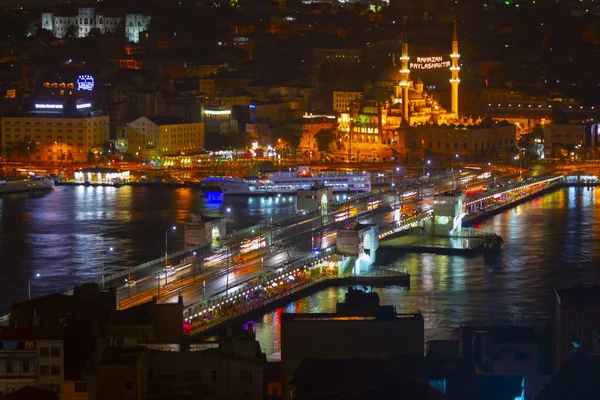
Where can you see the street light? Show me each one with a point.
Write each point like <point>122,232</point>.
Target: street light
<point>29,283</point>
<point>110,249</point>
<point>397,169</point>
<point>173,228</point>
<point>428,162</point>
<point>452,170</point>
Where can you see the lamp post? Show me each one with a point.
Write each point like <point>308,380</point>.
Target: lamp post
<point>173,228</point>
<point>426,162</point>
<point>452,170</point>
<point>110,249</point>
<point>228,250</point>
<point>396,169</point>
<point>29,283</point>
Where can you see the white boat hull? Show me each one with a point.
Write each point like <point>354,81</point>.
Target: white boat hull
<point>246,188</point>
<point>26,186</point>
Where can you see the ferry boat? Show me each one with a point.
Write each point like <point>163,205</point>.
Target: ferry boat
<point>27,185</point>
<point>302,179</point>
<point>213,183</point>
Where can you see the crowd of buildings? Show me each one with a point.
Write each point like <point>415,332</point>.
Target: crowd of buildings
<point>402,91</point>
<point>79,346</point>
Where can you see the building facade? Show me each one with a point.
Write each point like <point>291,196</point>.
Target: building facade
<point>219,120</point>
<point>167,134</point>
<point>26,360</point>
<point>233,370</point>
<point>577,322</point>
<point>468,141</point>
<point>342,99</point>
<point>58,137</point>
<point>343,337</point>
<point>567,141</point>
<point>87,19</point>
<point>134,25</point>
<point>308,127</point>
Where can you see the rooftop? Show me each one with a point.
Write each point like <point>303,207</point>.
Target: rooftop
<point>364,378</point>
<point>168,120</point>
<point>121,355</point>
<point>31,393</point>
<point>577,379</point>
<point>579,296</point>
<point>416,316</point>
<point>137,315</point>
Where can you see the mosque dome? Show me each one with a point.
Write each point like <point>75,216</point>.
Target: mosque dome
<point>414,95</point>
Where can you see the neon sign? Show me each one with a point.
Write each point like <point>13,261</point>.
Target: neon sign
<point>425,63</point>
<point>85,82</point>
<point>217,112</point>
<point>49,106</point>
<point>84,105</point>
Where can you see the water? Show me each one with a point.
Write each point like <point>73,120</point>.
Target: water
<point>550,242</point>
<point>65,235</point>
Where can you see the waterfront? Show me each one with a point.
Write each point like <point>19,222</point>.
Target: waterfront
<point>65,235</point>
<point>552,241</point>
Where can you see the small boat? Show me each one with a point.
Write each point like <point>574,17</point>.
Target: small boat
<point>492,244</point>
<point>28,185</point>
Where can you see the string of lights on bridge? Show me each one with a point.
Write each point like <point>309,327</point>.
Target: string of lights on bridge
<point>272,282</point>
<point>538,106</point>
<point>513,189</point>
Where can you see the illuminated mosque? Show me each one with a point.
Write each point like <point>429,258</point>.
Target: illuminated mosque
<point>379,119</point>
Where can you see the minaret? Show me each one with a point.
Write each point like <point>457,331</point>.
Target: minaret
<point>404,77</point>
<point>454,81</point>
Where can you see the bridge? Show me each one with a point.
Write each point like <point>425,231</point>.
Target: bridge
<point>284,284</point>
<point>228,289</point>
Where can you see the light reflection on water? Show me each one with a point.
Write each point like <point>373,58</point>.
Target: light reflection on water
<point>551,241</point>
<point>65,235</point>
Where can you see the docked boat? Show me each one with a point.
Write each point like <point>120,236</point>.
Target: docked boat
<point>27,185</point>
<point>213,183</point>
<point>301,179</point>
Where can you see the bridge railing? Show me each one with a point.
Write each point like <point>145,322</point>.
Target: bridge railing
<point>155,262</point>
<point>241,234</point>
<point>218,300</point>
<point>549,180</point>
<point>403,224</point>
<point>264,301</point>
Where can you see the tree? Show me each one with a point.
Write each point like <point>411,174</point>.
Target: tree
<point>229,140</point>
<point>537,132</point>
<point>24,148</point>
<point>71,32</point>
<point>325,139</point>
<point>44,35</point>
<point>94,33</point>
<point>288,135</point>
<point>236,139</point>
<point>91,158</point>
